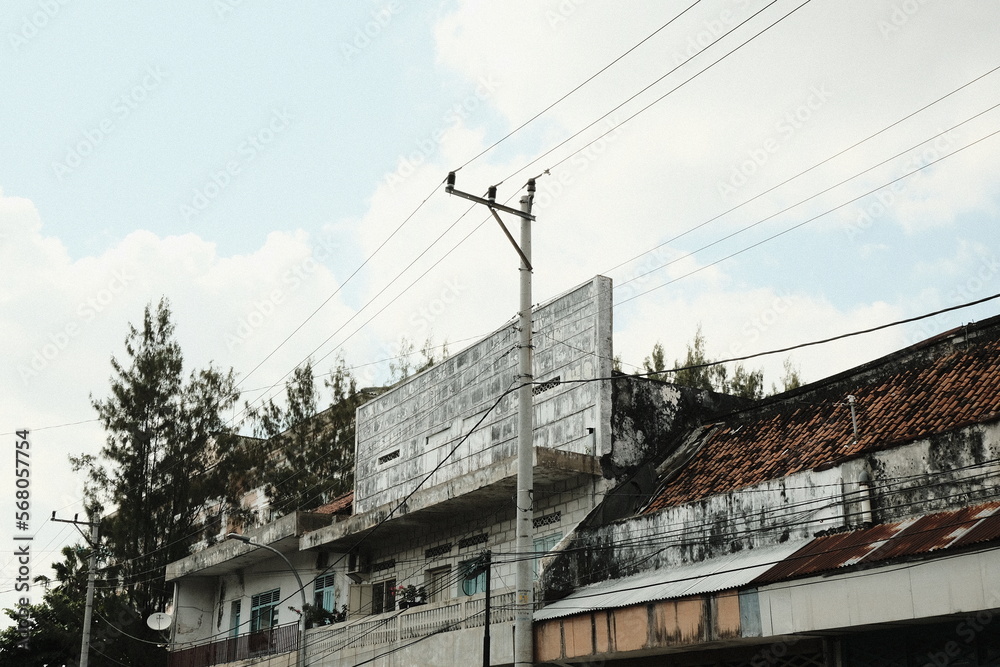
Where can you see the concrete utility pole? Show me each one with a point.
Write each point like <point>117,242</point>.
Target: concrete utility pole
<point>524,596</point>
<point>88,610</point>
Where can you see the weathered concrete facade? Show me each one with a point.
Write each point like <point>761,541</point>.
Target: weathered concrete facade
<point>410,432</point>
<point>878,488</point>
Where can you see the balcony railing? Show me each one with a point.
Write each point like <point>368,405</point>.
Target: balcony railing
<point>415,622</point>
<point>365,631</point>
<point>280,639</point>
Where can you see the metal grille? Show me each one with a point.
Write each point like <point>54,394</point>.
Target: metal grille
<point>437,551</point>
<point>547,520</point>
<point>472,541</point>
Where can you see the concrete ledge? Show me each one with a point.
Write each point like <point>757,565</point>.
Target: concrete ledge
<point>427,507</point>
<point>230,555</point>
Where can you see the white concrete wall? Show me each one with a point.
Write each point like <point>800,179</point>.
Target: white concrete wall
<point>426,416</point>
<point>194,605</point>
<point>944,586</point>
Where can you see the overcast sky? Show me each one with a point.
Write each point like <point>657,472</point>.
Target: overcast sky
<point>249,160</point>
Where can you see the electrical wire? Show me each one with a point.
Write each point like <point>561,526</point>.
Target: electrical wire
<point>575,88</point>
<point>662,97</point>
<point>807,170</point>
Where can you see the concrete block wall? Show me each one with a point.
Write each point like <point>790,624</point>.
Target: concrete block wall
<point>406,432</point>
<point>570,502</point>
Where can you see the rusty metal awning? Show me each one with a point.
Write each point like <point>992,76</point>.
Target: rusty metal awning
<point>911,537</point>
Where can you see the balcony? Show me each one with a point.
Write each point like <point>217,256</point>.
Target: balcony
<point>279,639</point>
<point>356,635</point>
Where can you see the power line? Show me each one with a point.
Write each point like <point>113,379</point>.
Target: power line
<point>809,169</point>
<point>809,198</point>
<point>662,97</point>
<point>813,218</point>
<point>575,89</point>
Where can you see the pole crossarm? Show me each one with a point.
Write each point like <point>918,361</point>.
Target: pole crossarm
<point>486,201</point>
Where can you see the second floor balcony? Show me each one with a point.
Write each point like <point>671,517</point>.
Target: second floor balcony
<point>449,627</point>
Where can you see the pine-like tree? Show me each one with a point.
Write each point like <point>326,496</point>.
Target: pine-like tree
<point>309,454</point>
<point>164,458</point>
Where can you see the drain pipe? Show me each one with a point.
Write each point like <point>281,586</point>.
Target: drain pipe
<point>854,417</point>
<point>865,496</point>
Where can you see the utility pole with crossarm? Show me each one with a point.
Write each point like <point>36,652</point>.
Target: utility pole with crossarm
<point>524,595</point>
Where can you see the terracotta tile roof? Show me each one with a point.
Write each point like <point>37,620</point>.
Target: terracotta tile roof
<point>933,532</point>
<point>905,396</point>
<point>341,505</point>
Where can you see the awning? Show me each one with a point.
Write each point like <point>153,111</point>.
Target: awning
<point>716,574</point>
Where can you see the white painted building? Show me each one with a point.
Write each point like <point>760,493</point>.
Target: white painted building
<point>435,487</point>
<point>854,522</point>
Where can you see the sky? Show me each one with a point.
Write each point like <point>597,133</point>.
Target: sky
<point>771,172</point>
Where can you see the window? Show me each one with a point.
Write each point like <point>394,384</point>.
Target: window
<point>264,610</point>
<point>234,618</point>
<point>543,545</point>
<point>384,596</point>
<point>325,596</point>
<point>437,583</point>
<point>473,576</point>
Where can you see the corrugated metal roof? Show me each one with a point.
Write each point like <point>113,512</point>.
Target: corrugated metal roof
<point>932,532</point>
<point>716,574</point>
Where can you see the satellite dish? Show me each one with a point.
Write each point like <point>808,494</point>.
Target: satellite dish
<point>159,621</point>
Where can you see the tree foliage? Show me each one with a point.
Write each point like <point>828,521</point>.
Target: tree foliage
<point>403,364</point>
<point>54,626</point>
<point>701,371</point>
<point>309,454</point>
<point>166,451</point>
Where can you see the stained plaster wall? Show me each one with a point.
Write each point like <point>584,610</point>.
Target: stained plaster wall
<point>947,471</point>
<point>571,501</point>
<point>415,426</point>
<point>649,417</point>
<point>205,603</point>
<point>792,508</point>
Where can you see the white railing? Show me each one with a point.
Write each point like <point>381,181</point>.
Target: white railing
<point>415,622</point>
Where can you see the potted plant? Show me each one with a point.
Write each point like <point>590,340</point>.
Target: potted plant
<point>316,616</point>
<point>410,596</point>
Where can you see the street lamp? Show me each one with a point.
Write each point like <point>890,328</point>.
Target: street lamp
<point>301,656</point>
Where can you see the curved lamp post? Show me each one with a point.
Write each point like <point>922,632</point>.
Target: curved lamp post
<point>301,654</point>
